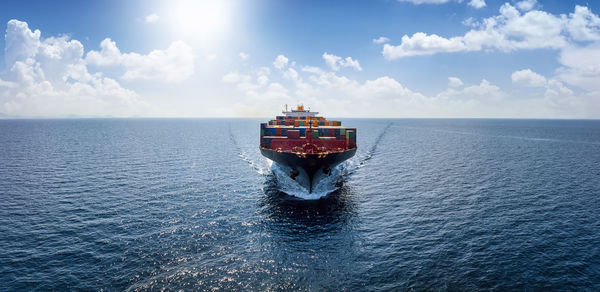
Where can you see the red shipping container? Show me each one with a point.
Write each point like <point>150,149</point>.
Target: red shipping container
<point>293,134</point>
<point>278,131</point>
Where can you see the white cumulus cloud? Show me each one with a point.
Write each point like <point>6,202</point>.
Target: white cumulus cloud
<point>423,44</point>
<point>554,88</point>
<point>508,31</point>
<point>335,63</point>
<point>581,66</point>
<point>557,89</point>
<point>174,64</point>
<point>583,25</point>
<point>280,62</point>
<point>49,77</point>
<point>478,4</point>
<point>454,82</point>
<point>381,40</point>
<point>528,78</point>
<point>526,5</point>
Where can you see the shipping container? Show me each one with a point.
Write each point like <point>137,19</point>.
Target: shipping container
<point>267,142</point>
<point>293,134</point>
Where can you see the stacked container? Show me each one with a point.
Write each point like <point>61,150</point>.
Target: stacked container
<point>291,132</point>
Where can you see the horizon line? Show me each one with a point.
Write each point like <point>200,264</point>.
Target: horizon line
<point>250,117</point>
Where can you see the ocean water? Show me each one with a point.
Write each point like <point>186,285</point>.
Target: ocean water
<point>152,204</point>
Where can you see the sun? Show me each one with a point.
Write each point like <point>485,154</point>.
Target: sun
<point>202,21</point>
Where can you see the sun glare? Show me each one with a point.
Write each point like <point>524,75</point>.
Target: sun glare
<point>203,21</point>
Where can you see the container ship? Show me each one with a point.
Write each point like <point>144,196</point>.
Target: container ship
<point>306,143</point>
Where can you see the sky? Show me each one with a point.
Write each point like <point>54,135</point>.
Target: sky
<point>371,58</point>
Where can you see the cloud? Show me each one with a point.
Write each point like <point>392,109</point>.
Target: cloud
<point>526,5</point>
<point>256,88</point>
<point>381,40</point>
<point>583,25</point>
<point>280,62</point>
<point>244,56</point>
<point>478,4</point>
<point>423,44</point>
<point>291,74</point>
<point>334,62</point>
<point>554,88</point>
<point>454,82</point>
<point>528,78</point>
<point>174,64</point>
<point>232,77</point>
<point>508,31</point>
<point>575,35</point>
<point>21,42</point>
<point>484,91</point>
<point>557,89</point>
<point>384,96</point>
<point>49,77</point>
<point>109,55</point>
<point>312,69</point>
<point>7,84</point>
<point>581,66</point>
<point>151,18</point>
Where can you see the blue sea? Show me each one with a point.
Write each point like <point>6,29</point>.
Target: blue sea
<point>426,204</point>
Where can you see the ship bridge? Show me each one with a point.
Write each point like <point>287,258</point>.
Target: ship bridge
<point>299,112</point>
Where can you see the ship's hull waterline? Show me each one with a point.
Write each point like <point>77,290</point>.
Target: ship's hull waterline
<point>310,163</point>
